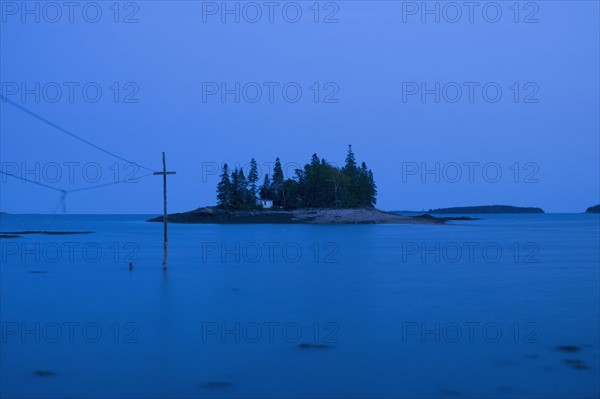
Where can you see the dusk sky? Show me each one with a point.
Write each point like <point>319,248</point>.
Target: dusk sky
<point>361,68</point>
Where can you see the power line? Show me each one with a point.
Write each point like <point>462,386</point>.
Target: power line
<point>128,180</point>
<point>46,121</point>
<point>65,192</point>
<point>34,182</point>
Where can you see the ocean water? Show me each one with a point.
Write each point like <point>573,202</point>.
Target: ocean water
<point>506,306</point>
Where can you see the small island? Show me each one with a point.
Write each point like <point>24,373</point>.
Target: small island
<point>486,209</point>
<point>320,193</point>
<point>593,209</point>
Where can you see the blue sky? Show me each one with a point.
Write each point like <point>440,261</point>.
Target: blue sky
<point>537,144</point>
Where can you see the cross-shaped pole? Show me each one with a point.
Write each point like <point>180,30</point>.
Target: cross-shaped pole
<point>164,174</point>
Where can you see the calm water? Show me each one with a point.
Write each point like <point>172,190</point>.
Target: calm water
<point>474,309</point>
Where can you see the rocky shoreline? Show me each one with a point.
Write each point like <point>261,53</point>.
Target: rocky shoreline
<point>213,215</point>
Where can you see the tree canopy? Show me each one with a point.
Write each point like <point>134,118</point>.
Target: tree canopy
<point>318,185</point>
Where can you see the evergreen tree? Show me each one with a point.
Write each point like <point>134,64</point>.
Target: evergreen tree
<point>350,167</point>
<point>246,200</point>
<point>224,189</point>
<point>364,192</point>
<point>240,198</point>
<point>253,178</point>
<point>236,195</point>
<point>277,184</point>
<point>352,189</point>
<point>265,189</point>
<point>372,190</point>
<point>292,200</point>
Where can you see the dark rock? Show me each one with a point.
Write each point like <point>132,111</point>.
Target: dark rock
<point>50,233</point>
<point>217,384</point>
<point>450,392</point>
<point>427,216</point>
<point>314,346</point>
<point>569,348</point>
<point>44,373</point>
<point>577,364</point>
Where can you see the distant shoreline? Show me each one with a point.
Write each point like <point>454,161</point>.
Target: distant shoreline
<point>213,215</point>
<point>488,209</point>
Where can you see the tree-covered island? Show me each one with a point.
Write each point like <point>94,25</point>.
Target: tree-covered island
<point>318,185</point>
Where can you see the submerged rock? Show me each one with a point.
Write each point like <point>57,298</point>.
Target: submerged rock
<point>449,392</point>
<point>314,346</point>
<point>577,364</point>
<point>568,348</point>
<point>217,384</point>
<point>44,373</point>
<point>50,233</point>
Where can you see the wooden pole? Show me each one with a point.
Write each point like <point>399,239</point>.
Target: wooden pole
<point>165,211</point>
<point>164,174</point>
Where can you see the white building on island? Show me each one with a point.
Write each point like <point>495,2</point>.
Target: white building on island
<point>265,203</point>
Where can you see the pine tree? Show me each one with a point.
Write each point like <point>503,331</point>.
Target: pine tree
<point>350,167</point>
<point>224,189</point>
<point>362,186</point>
<point>352,190</point>
<point>253,178</point>
<point>248,198</point>
<point>277,184</point>
<point>265,189</point>
<point>292,200</point>
<point>372,189</point>
<point>236,195</point>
